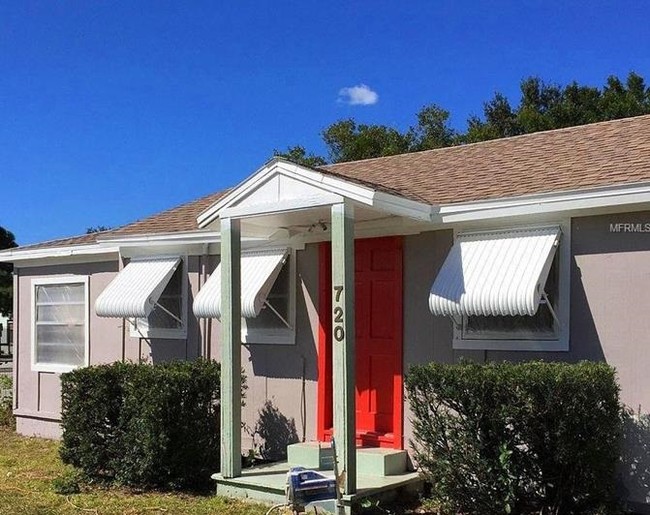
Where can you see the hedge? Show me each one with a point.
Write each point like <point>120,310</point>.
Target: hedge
<point>6,402</point>
<point>141,425</point>
<point>517,438</point>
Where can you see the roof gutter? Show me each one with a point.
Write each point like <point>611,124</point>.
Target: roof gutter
<point>19,255</point>
<point>546,203</point>
<point>169,238</point>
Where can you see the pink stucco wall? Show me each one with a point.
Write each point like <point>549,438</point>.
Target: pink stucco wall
<point>37,402</point>
<point>282,375</point>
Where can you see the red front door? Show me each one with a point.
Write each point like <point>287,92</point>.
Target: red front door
<point>378,323</point>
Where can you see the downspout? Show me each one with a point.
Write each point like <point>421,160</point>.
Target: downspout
<point>16,331</point>
<point>203,350</point>
<point>120,266</point>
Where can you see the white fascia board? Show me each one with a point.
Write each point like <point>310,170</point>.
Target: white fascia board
<point>403,207</point>
<point>548,203</point>
<point>350,190</point>
<point>54,255</point>
<point>155,239</point>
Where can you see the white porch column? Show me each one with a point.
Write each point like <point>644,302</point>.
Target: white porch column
<point>343,352</point>
<point>231,348</point>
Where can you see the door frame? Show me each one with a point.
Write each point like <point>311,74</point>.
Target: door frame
<point>325,394</point>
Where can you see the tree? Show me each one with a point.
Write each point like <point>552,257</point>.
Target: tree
<point>7,241</point>
<point>544,106</point>
<point>433,129</point>
<point>298,154</point>
<point>347,141</point>
<point>500,121</point>
<point>621,100</point>
<point>97,228</point>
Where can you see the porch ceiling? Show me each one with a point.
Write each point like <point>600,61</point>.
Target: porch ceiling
<point>313,222</point>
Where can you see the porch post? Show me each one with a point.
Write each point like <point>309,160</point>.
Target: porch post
<point>231,348</point>
<point>343,341</point>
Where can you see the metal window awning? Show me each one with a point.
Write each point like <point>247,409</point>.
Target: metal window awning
<point>259,270</point>
<point>495,273</point>
<point>137,288</point>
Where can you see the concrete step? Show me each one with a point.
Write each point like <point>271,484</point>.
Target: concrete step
<point>371,461</point>
<point>378,462</point>
<point>311,455</point>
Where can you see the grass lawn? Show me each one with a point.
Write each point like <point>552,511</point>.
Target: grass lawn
<point>28,466</point>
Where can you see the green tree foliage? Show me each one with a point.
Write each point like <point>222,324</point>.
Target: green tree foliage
<point>298,154</point>
<point>7,241</point>
<point>433,129</point>
<point>542,106</point>
<point>347,141</point>
<point>97,228</point>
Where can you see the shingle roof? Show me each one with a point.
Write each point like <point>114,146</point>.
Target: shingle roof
<point>178,219</point>
<point>600,154</point>
<point>62,242</point>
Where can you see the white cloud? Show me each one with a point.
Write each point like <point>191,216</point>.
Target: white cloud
<point>360,95</point>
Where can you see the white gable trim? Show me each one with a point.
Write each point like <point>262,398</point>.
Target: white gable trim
<point>328,184</point>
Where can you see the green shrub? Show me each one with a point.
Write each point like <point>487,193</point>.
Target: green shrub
<point>6,403</point>
<point>145,426</point>
<point>92,400</point>
<point>517,438</point>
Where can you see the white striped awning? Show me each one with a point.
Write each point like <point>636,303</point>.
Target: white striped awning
<point>137,288</point>
<point>259,270</point>
<point>495,273</point>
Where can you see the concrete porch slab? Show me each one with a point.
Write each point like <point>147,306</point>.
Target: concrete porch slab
<point>266,483</point>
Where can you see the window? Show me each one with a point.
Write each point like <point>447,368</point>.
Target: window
<point>60,324</point>
<point>169,316</point>
<point>275,322</point>
<point>507,289</point>
<point>540,326</point>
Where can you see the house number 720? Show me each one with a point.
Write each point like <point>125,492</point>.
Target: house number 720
<point>339,332</point>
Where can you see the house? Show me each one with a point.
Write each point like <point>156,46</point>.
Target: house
<point>326,284</point>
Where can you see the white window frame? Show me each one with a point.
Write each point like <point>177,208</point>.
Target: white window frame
<point>280,335</point>
<point>69,279</point>
<point>139,328</point>
<point>562,308</point>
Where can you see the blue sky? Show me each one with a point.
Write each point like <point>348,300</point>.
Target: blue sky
<point>111,111</point>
